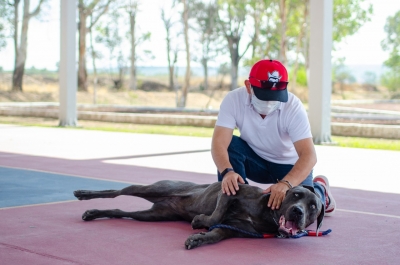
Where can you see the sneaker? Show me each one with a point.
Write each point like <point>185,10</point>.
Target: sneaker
<point>330,204</point>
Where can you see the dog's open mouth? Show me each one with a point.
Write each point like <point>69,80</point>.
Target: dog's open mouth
<point>287,228</point>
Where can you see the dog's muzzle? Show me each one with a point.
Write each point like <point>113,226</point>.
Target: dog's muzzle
<point>287,228</point>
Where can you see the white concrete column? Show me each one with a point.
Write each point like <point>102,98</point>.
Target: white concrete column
<point>67,72</point>
<point>320,79</point>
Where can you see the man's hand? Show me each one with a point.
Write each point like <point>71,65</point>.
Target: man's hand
<point>230,183</point>
<point>278,193</point>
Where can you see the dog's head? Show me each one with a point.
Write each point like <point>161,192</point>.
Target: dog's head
<point>300,208</point>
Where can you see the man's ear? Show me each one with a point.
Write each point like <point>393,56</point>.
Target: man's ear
<point>248,86</point>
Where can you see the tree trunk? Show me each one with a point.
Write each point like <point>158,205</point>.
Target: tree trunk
<point>171,76</point>
<point>94,68</point>
<point>204,63</point>
<point>234,53</point>
<point>16,27</point>
<point>20,55</point>
<point>282,51</point>
<point>132,80</point>
<point>234,76</point>
<point>82,73</point>
<point>185,88</point>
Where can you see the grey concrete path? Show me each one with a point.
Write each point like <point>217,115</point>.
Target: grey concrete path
<point>371,170</point>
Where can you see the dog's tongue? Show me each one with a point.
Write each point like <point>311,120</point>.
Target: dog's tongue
<point>287,227</point>
<point>292,227</point>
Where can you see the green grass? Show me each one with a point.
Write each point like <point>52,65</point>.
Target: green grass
<point>354,142</point>
<point>368,143</point>
<point>158,129</point>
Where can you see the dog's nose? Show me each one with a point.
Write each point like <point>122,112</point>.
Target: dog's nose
<point>298,211</point>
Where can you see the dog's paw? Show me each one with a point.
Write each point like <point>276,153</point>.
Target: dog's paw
<point>195,241</point>
<point>83,194</point>
<point>198,221</point>
<point>90,215</point>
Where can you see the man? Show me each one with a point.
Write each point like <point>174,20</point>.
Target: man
<point>275,144</point>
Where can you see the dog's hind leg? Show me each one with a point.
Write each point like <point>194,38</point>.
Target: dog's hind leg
<point>132,190</point>
<point>206,221</point>
<point>154,192</point>
<point>156,213</point>
<point>204,238</point>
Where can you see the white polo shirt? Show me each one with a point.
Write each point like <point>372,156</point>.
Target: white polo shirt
<point>271,138</point>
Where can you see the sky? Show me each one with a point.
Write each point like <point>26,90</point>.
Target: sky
<point>363,48</point>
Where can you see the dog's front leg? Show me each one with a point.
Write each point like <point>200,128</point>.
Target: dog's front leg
<point>204,238</point>
<point>205,221</point>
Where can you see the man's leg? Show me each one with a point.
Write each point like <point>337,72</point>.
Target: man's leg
<point>248,164</point>
<point>245,161</point>
<point>279,171</point>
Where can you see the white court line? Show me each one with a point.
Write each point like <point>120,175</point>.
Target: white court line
<point>368,213</point>
<point>38,204</point>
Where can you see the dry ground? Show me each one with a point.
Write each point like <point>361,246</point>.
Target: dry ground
<point>39,88</point>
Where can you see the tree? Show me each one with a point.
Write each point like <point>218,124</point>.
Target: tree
<point>207,27</point>
<point>21,45</point>
<point>342,75</point>
<point>3,15</point>
<point>232,18</point>
<point>172,54</point>
<point>186,84</point>
<point>95,8</point>
<point>283,21</point>
<point>391,78</point>
<point>95,55</point>
<point>132,9</point>
<point>265,42</point>
<point>300,20</point>
<point>349,17</point>
<point>107,33</point>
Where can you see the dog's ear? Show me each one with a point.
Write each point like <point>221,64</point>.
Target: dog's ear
<point>310,188</point>
<point>320,217</point>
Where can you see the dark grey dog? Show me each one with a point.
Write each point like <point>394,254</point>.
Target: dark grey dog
<point>205,206</point>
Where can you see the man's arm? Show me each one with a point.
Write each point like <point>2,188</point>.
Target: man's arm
<point>301,169</point>
<point>221,139</point>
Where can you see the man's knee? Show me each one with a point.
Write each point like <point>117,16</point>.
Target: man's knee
<point>309,180</point>
<point>237,145</point>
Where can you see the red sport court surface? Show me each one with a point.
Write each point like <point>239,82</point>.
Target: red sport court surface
<point>41,220</point>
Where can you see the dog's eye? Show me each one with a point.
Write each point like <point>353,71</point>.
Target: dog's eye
<point>296,195</point>
<point>313,206</point>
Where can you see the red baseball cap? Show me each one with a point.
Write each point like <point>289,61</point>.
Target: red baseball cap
<point>269,79</point>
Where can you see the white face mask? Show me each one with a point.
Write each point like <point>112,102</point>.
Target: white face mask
<point>263,107</point>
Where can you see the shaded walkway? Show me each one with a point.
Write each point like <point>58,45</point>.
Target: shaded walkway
<point>40,168</point>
